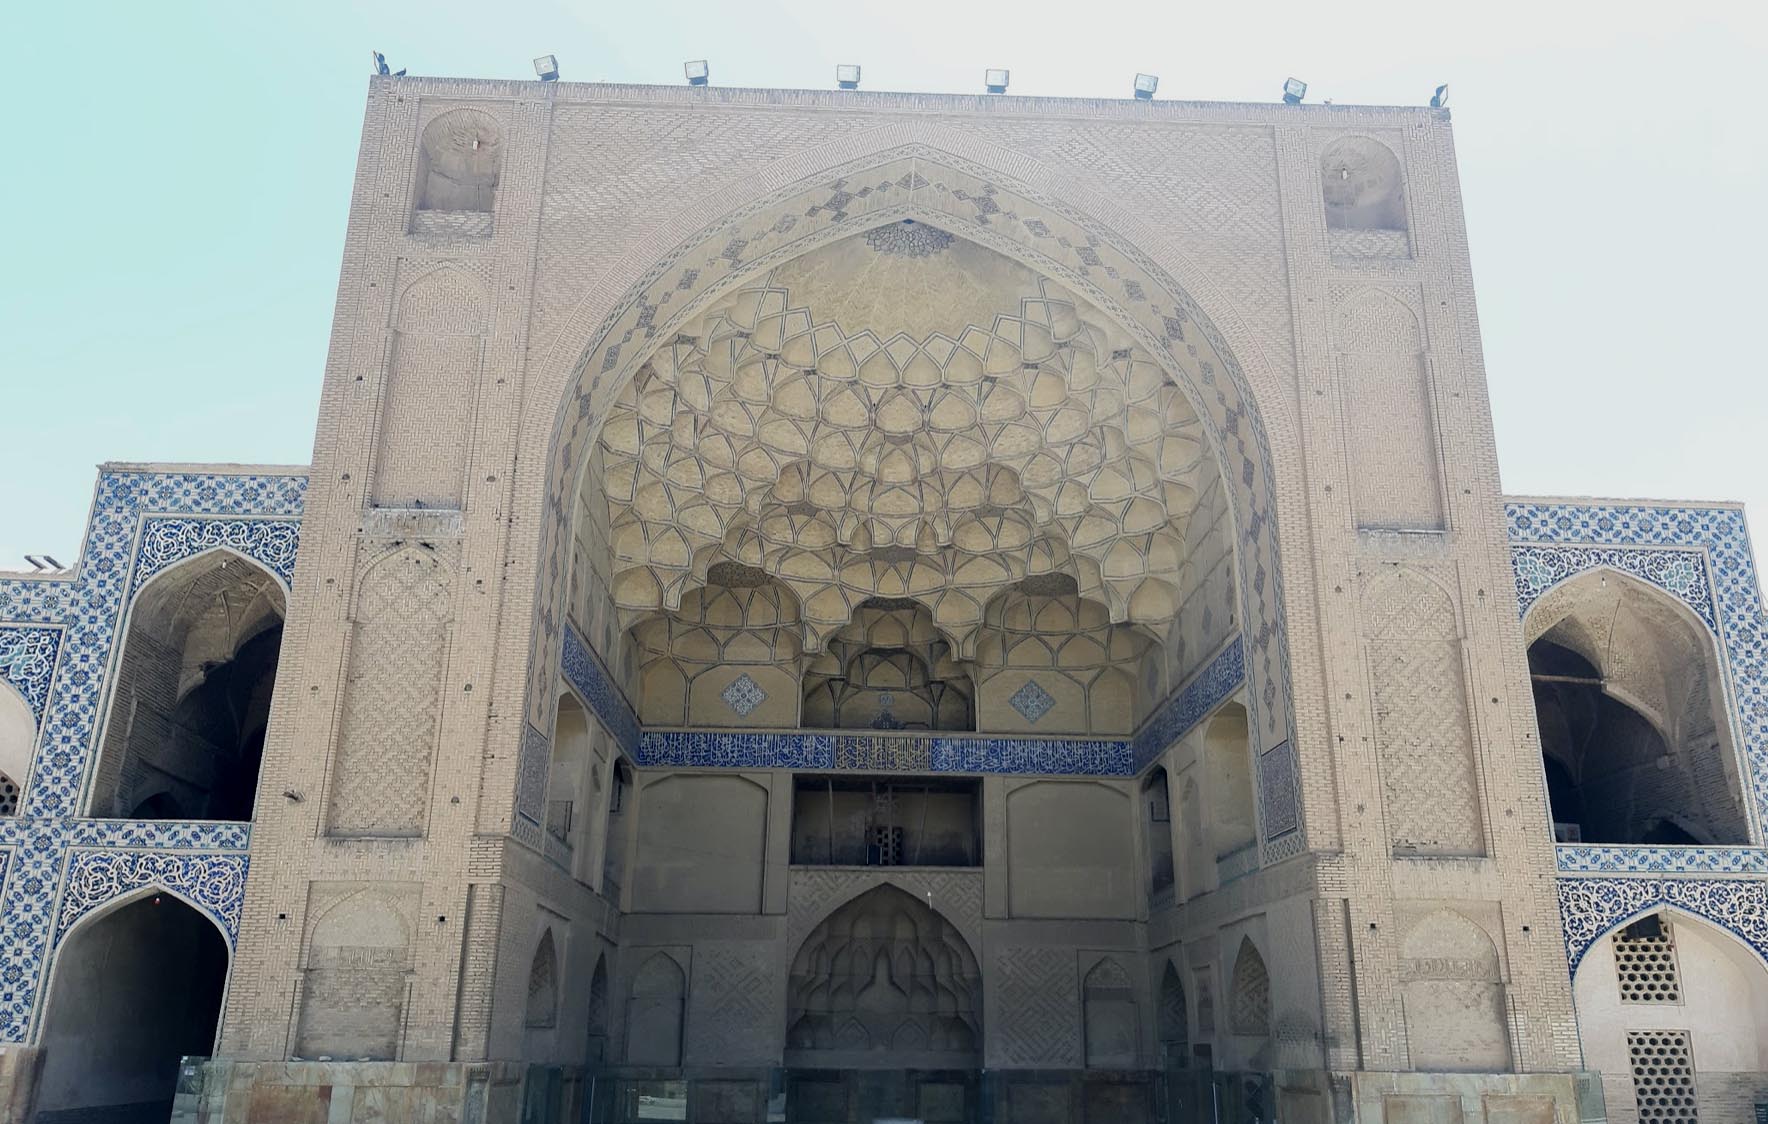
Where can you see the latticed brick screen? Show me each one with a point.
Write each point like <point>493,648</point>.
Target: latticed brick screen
<point>1663,1075</point>
<point>1645,962</point>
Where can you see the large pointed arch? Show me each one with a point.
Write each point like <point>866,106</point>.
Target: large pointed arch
<point>954,183</point>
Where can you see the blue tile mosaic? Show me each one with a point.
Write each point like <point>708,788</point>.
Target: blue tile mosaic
<point>1591,908</point>
<point>58,867</point>
<point>743,695</point>
<point>1031,701</point>
<point>1699,555</point>
<point>27,659</point>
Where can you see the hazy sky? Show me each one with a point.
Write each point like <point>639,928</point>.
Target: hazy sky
<point>176,179</point>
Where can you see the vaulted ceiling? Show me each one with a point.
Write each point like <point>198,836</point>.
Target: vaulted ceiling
<point>901,414</point>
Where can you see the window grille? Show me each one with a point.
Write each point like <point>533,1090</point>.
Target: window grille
<point>1645,963</point>
<point>8,796</point>
<point>1663,1076</point>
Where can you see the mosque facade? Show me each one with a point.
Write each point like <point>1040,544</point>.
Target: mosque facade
<point>834,607</point>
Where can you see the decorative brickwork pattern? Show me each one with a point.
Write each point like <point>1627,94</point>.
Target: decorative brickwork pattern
<point>1037,1008</point>
<point>1422,733</point>
<point>392,695</point>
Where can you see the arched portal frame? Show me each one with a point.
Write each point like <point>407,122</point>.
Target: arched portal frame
<point>718,249</point>
<point>47,989</point>
<point>149,571</point>
<point>1679,580</point>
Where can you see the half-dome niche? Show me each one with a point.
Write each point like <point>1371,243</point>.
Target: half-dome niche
<point>884,982</point>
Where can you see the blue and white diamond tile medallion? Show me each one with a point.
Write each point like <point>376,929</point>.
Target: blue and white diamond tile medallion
<point>743,695</point>
<point>1032,701</point>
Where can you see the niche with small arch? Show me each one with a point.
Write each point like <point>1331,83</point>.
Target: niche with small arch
<point>1362,185</point>
<point>459,160</point>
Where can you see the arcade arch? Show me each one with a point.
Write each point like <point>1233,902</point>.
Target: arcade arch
<point>1636,739</point>
<point>190,700</point>
<point>161,961</point>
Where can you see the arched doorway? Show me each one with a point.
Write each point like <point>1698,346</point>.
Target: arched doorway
<point>134,990</point>
<point>190,701</point>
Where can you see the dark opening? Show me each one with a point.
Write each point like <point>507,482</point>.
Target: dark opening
<point>133,993</point>
<point>904,821</point>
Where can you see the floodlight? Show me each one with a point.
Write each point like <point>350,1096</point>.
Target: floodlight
<point>847,76</point>
<point>1145,86</point>
<point>1294,89</point>
<point>1441,97</point>
<point>996,81</point>
<point>697,71</point>
<point>547,67</point>
<point>380,64</point>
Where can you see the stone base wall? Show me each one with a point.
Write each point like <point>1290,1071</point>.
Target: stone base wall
<point>228,1092</point>
<point>219,1091</point>
<point>1475,1098</point>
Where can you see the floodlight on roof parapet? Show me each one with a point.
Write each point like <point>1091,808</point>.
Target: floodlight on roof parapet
<point>547,67</point>
<point>699,74</point>
<point>1146,84</point>
<point>1441,97</point>
<point>996,80</point>
<point>1294,89</point>
<point>847,76</point>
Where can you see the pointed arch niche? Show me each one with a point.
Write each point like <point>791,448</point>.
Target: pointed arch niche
<point>190,701</point>
<point>134,988</point>
<point>1719,997</point>
<point>1636,739</point>
<point>884,982</point>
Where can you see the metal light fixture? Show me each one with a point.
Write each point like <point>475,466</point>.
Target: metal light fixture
<point>996,80</point>
<point>1441,97</point>
<point>847,76</point>
<point>697,71</point>
<point>547,67</point>
<point>1146,85</point>
<point>1294,89</point>
<point>381,67</point>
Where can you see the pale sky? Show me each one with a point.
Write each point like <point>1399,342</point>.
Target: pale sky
<point>177,177</point>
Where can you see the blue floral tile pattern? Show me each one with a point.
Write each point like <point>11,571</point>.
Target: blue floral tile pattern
<point>1591,908</point>
<point>1699,555</point>
<point>743,695</point>
<point>1682,573</point>
<point>27,659</point>
<point>1032,701</point>
<point>214,883</point>
<point>59,867</point>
